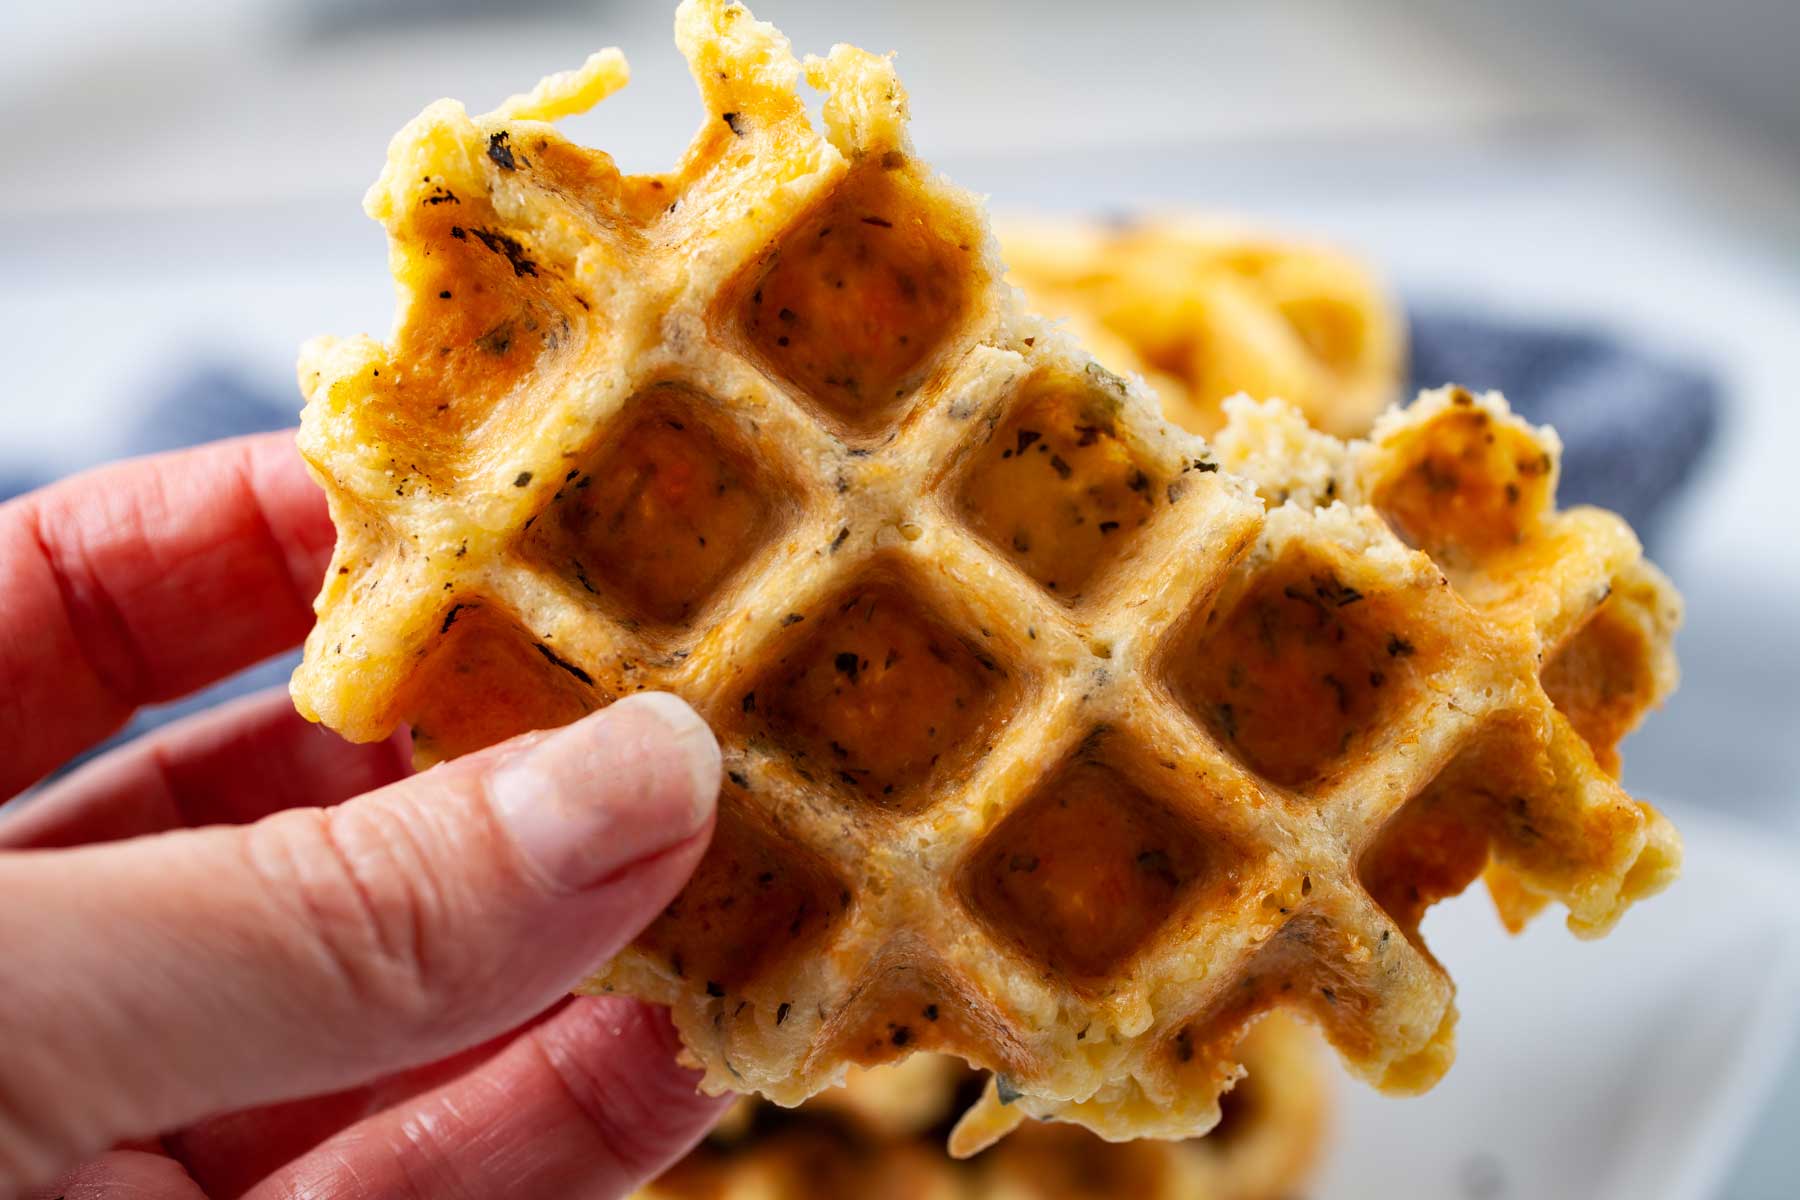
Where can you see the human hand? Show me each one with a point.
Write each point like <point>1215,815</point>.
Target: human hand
<point>242,957</point>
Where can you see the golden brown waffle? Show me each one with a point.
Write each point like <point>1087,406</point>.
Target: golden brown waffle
<point>882,1135</point>
<point>1205,308</point>
<point>1473,486</point>
<point>1045,746</point>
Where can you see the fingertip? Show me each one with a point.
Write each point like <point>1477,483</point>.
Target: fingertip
<point>689,739</point>
<point>622,786</point>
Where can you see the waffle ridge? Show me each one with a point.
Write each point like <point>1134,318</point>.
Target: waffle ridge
<point>985,792</point>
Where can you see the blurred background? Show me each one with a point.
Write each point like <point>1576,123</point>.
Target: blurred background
<point>181,198</point>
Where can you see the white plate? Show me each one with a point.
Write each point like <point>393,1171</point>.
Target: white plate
<point>1624,1069</point>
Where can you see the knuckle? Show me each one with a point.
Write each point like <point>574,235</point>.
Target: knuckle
<point>368,902</point>
<point>88,604</point>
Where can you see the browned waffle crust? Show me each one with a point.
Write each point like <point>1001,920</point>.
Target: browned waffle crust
<point>1047,746</point>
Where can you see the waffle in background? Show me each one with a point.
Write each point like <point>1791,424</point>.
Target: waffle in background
<point>881,1137</point>
<point>1206,308</point>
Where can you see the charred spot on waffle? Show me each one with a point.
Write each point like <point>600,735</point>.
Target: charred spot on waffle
<point>659,519</point>
<point>1290,673</point>
<point>1466,485</point>
<point>756,900</point>
<point>1056,489</point>
<point>486,679</point>
<point>880,696</point>
<point>1085,871</point>
<point>852,304</point>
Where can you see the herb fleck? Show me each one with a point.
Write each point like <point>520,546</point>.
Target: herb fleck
<point>500,150</point>
<point>556,660</point>
<point>499,243</point>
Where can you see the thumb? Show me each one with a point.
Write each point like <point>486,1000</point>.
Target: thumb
<point>156,981</point>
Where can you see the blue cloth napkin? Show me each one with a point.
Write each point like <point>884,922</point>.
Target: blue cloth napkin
<point>1634,424</point>
<point>211,400</point>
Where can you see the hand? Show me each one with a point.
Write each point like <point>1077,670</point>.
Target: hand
<point>241,957</point>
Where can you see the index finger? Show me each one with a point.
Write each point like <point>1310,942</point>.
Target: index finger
<point>145,580</point>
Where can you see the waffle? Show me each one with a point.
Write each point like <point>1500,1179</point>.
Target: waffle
<point>1205,308</point>
<point>966,614</point>
<point>1473,486</point>
<point>881,1135</point>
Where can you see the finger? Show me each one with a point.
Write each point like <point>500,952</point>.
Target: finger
<point>228,766</point>
<point>228,1155</point>
<point>123,1175</point>
<point>145,580</point>
<point>155,981</point>
<point>589,1104</point>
